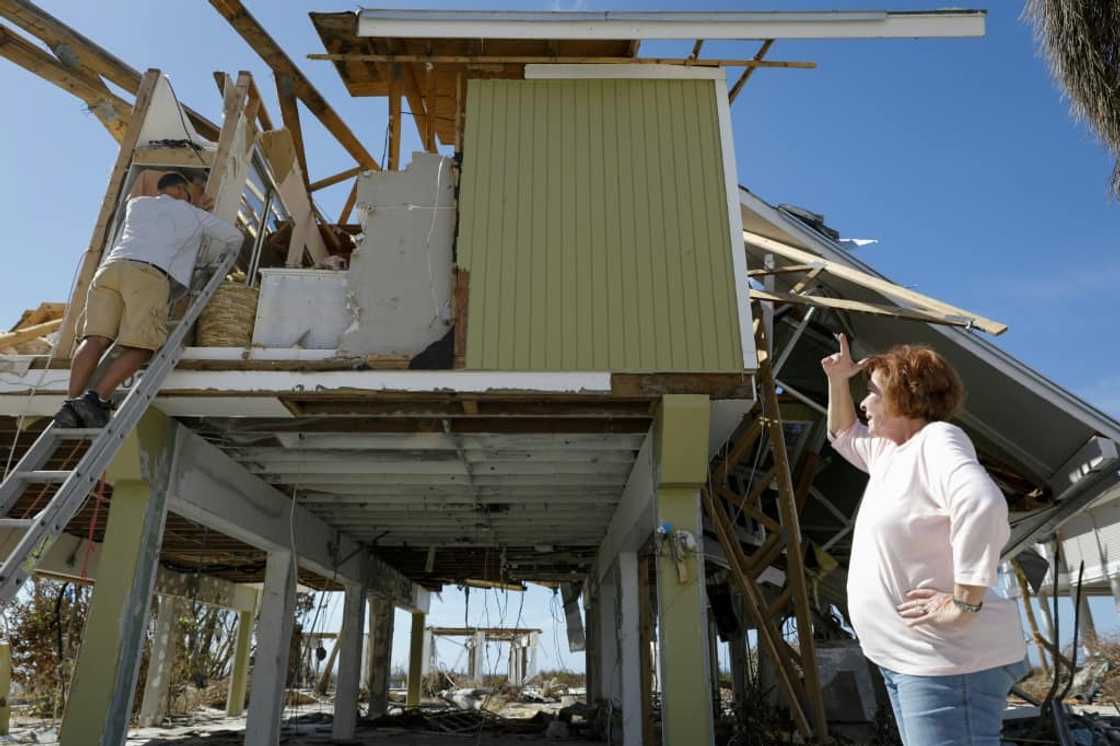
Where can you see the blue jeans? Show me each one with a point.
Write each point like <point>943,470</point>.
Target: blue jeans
<point>963,710</point>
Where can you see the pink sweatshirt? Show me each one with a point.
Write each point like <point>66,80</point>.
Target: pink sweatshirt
<point>930,516</point>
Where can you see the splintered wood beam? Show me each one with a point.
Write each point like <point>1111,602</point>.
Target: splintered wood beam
<point>394,124</point>
<point>75,49</point>
<point>418,105</point>
<point>254,94</point>
<point>110,109</point>
<point>92,256</point>
<point>750,64</point>
<point>871,282</point>
<point>332,180</point>
<point>858,306</point>
<point>289,113</point>
<point>265,46</point>
<point>28,333</point>
<point>742,81</point>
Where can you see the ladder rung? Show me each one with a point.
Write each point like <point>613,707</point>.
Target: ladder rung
<point>43,475</point>
<point>17,522</point>
<point>76,433</point>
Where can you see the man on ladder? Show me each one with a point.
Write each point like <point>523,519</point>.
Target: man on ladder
<point>130,295</point>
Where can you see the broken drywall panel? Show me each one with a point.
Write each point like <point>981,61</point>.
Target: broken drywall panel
<point>400,275</point>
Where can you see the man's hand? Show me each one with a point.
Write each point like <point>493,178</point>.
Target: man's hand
<point>205,203</point>
<point>933,607</point>
<point>840,366</point>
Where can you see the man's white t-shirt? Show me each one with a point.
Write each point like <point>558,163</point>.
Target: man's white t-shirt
<point>930,517</point>
<point>168,232</point>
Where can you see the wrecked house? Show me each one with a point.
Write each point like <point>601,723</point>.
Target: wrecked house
<point>561,346</point>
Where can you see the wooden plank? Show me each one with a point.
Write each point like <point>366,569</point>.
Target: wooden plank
<point>335,179</point>
<point>264,45</point>
<point>746,74</point>
<point>348,206</point>
<point>872,282</point>
<point>750,64</point>
<point>716,385</point>
<point>394,123</point>
<point>92,256</point>
<point>795,561</point>
<point>233,109</point>
<point>110,109</point>
<point>858,306</point>
<point>28,333</point>
<point>73,47</point>
<point>265,120</point>
<point>289,112</point>
<point>460,298</point>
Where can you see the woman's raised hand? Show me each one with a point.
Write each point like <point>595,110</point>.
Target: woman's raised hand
<point>840,365</point>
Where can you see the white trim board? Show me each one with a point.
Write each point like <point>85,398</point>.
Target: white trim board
<point>735,224</point>
<point>14,387</point>
<point>622,72</point>
<point>451,24</point>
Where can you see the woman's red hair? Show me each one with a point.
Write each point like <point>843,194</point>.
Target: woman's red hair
<point>919,383</point>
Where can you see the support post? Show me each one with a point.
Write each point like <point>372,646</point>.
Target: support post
<point>5,687</point>
<point>100,702</point>
<point>239,675</point>
<point>274,635</point>
<point>608,627</point>
<point>416,659</point>
<point>739,660</point>
<point>591,648</point>
<point>381,617</point>
<point>1088,631</point>
<point>713,665</point>
<point>645,643</point>
<point>349,646</point>
<point>681,460</point>
<point>165,641</point>
<point>630,649</point>
<point>477,664</point>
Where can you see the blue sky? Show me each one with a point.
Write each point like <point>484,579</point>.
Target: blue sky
<point>958,155</point>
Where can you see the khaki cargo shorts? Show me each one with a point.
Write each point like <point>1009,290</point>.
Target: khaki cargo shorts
<point>128,302</point>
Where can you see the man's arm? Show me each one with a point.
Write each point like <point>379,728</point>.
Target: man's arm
<point>223,234</point>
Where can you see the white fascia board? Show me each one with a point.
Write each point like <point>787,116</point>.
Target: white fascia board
<point>442,24</point>
<point>977,345</point>
<point>50,385</point>
<point>622,72</point>
<point>635,516</point>
<point>210,488</point>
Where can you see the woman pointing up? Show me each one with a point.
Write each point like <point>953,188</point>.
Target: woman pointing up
<point>925,550</point>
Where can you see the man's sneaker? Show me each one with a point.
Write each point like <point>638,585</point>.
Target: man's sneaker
<point>67,416</point>
<point>91,410</point>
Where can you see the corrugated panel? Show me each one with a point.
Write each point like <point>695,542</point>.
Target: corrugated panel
<point>593,221</point>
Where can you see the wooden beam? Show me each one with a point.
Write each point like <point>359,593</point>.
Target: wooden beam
<point>264,45</point>
<point>68,44</point>
<point>871,282</point>
<point>110,109</point>
<point>92,256</point>
<point>289,112</point>
<point>332,180</point>
<point>348,207</point>
<point>750,64</point>
<point>394,124</point>
<point>742,81</point>
<point>696,49</point>
<point>254,93</point>
<point>858,306</point>
<point>233,108</point>
<point>28,333</point>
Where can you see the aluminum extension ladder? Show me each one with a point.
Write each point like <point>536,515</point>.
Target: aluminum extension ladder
<point>75,485</point>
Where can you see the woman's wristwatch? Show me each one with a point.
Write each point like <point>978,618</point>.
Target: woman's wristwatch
<point>966,606</point>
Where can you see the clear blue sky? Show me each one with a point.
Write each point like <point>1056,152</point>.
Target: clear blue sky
<point>958,155</point>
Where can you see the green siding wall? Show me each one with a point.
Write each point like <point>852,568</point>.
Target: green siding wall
<point>593,222</point>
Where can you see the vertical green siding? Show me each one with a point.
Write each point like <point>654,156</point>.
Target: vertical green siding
<point>593,222</point>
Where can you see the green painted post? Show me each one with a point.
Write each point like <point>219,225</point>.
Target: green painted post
<point>415,660</point>
<point>239,676</point>
<point>681,452</point>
